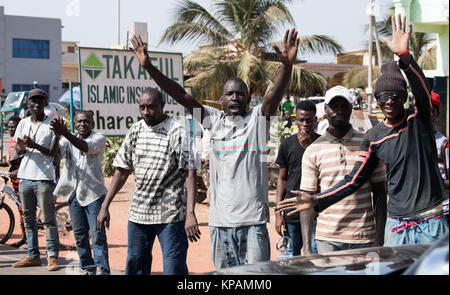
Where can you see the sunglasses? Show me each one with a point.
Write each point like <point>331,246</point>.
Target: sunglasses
<point>383,98</point>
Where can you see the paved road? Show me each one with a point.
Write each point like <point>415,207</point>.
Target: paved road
<point>10,255</point>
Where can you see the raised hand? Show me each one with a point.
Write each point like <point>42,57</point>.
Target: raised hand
<point>288,53</point>
<point>58,126</point>
<point>303,201</point>
<point>140,50</point>
<point>400,38</point>
<point>304,138</point>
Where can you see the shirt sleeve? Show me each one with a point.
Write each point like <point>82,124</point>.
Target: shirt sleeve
<point>421,90</point>
<point>310,172</point>
<point>19,130</point>
<point>281,157</point>
<point>379,174</point>
<point>124,157</point>
<point>96,144</point>
<point>210,117</point>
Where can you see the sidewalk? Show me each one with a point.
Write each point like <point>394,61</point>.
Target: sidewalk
<point>10,255</point>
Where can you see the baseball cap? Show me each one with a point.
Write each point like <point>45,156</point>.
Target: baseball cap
<point>338,91</point>
<point>37,92</point>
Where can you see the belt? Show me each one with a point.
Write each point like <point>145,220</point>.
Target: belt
<point>412,223</point>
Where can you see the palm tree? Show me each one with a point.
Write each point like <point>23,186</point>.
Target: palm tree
<point>419,46</point>
<point>239,35</point>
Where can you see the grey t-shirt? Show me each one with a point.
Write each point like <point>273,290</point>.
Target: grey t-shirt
<point>238,168</point>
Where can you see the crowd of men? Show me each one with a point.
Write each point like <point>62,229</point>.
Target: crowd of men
<point>332,188</point>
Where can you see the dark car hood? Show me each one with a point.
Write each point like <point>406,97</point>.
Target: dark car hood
<point>375,260</point>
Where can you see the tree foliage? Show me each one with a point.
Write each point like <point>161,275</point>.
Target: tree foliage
<point>239,37</point>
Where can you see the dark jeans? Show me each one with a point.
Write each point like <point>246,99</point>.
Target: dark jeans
<point>174,244</point>
<point>84,220</point>
<point>294,232</point>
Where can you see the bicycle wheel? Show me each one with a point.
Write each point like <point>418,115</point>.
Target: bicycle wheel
<point>6,223</point>
<point>66,238</point>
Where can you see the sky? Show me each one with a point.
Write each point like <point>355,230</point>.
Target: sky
<point>94,23</point>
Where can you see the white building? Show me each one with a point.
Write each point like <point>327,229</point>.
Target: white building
<point>30,50</point>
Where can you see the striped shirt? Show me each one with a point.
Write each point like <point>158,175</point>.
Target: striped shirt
<point>325,163</point>
<point>158,156</point>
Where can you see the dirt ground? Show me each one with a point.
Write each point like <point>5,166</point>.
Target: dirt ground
<point>199,254</point>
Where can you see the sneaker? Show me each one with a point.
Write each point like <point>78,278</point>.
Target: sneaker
<point>27,261</point>
<point>52,264</point>
<point>19,243</point>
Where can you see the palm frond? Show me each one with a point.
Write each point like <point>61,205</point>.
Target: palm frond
<point>319,44</point>
<point>194,23</point>
<point>357,77</point>
<point>427,61</point>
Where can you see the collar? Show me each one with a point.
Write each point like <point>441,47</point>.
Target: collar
<point>348,136</point>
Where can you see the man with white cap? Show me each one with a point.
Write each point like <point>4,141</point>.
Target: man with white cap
<point>348,224</point>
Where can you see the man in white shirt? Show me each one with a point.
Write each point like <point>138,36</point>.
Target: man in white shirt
<point>82,186</point>
<point>37,142</point>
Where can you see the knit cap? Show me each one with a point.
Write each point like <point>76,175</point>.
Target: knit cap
<point>391,79</point>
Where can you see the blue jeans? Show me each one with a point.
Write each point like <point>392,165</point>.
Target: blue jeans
<point>403,231</point>
<point>232,246</point>
<point>327,246</point>
<point>32,192</point>
<point>174,244</point>
<point>84,220</point>
<point>294,232</point>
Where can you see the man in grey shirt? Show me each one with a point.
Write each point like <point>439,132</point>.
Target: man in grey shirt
<point>82,186</point>
<point>238,169</point>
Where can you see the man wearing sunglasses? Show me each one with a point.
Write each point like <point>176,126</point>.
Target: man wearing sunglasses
<point>404,142</point>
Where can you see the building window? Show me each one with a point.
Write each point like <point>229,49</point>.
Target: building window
<point>28,87</point>
<point>71,49</point>
<point>31,48</point>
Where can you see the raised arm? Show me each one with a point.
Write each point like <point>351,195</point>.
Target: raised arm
<point>172,88</point>
<point>60,128</point>
<point>287,56</point>
<point>399,45</point>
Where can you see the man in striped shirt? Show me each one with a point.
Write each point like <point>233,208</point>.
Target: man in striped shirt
<point>350,223</point>
<point>157,151</point>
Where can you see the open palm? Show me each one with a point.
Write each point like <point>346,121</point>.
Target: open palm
<point>288,53</point>
<point>400,37</point>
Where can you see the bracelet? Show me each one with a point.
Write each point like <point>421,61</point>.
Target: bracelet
<point>402,52</point>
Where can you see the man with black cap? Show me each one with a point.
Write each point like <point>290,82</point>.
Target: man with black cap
<point>404,142</point>
<point>38,144</point>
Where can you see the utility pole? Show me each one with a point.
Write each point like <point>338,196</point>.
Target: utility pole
<point>369,90</point>
<point>118,22</point>
<point>377,40</point>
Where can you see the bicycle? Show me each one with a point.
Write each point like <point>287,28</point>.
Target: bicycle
<point>7,219</point>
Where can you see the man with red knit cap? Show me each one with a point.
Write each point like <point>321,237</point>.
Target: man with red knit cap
<point>405,143</point>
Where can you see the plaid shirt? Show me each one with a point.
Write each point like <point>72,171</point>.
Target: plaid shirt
<point>159,156</point>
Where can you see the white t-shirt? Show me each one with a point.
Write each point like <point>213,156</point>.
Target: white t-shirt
<point>35,165</point>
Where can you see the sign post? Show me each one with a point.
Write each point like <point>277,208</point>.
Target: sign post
<point>113,80</point>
